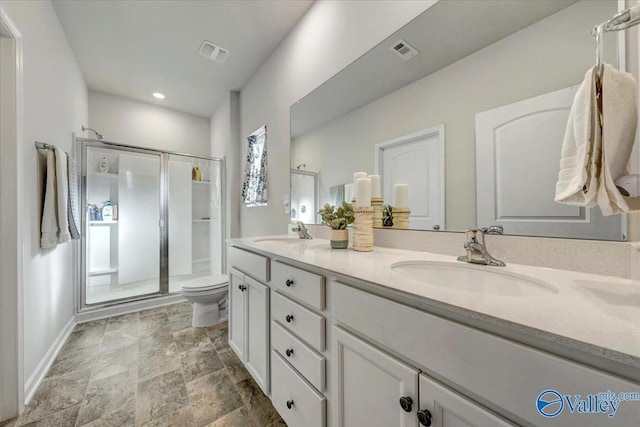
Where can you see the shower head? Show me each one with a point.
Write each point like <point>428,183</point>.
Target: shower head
<point>301,165</point>
<point>98,135</point>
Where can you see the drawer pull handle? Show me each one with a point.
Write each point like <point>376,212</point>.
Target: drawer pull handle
<point>289,404</point>
<point>406,403</point>
<point>424,417</point>
<point>289,352</point>
<point>242,288</point>
<point>289,318</point>
<point>289,282</point>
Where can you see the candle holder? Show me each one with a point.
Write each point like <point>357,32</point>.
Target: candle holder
<point>401,218</point>
<point>376,205</point>
<point>363,230</point>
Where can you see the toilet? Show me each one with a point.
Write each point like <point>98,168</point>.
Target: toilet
<point>208,295</point>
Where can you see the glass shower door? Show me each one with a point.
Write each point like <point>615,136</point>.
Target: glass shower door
<point>194,219</point>
<point>122,244</point>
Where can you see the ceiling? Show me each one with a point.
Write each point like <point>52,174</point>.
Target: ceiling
<point>134,48</point>
<point>443,34</point>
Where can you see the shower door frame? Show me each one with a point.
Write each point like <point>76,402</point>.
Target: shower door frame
<point>80,149</point>
<point>316,189</point>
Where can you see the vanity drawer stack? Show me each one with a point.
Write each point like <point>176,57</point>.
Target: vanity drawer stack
<point>298,336</point>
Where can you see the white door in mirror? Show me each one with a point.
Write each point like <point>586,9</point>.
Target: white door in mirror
<point>418,161</point>
<point>517,160</point>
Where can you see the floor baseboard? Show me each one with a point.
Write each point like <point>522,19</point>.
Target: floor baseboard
<point>38,375</point>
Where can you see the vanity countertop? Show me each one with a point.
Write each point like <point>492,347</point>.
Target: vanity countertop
<point>596,315</point>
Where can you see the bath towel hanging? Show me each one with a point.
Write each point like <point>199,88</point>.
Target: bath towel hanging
<point>578,178</point>
<point>619,122</point>
<point>62,195</point>
<point>49,225</point>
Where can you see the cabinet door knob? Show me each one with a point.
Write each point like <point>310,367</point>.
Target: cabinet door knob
<point>289,404</point>
<point>289,282</point>
<point>289,318</point>
<point>242,287</point>
<point>424,417</point>
<point>406,403</point>
<point>289,352</point>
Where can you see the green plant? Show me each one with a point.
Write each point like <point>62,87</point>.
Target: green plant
<point>387,216</point>
<point>337,218</point>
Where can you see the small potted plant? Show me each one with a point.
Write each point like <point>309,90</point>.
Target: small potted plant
<point>338,219</point>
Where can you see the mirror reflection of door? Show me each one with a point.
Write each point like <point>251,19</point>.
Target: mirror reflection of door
<point>517,151</point>
<point>418,161</point>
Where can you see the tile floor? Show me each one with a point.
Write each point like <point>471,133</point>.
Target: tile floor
<point>149,369</point>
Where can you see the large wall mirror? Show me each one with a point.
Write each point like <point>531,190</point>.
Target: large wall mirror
<point>473,123</point>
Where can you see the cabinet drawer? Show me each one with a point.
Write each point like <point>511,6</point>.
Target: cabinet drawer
<point>509,375</point>
<point>304,323</point>
<point>299,284</point>
<point>256,266</point>
<point>307,406</point>
<point>310,364</point>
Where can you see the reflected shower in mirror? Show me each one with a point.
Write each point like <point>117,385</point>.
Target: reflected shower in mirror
<point>497,79</point>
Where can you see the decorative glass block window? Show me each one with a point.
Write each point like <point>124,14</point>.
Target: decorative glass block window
<point>254,188</point>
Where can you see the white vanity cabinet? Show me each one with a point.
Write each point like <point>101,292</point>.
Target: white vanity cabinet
<point>348,353</point>
<point>249,310</point>
<point>298,339</point>
<point>369,385</point>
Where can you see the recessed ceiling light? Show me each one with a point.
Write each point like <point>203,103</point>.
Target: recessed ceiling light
<point>158,95</point>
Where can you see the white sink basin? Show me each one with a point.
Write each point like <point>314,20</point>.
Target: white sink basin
<point>475,279</point>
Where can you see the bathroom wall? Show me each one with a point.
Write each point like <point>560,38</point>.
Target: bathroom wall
<point>55,105</point>
<point>148,125</point>
<point>225,144</point>
<point>330,36</point>
<point>508,71</point>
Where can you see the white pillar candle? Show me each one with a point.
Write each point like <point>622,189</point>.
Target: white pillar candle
<point>363,193</point>
<point>376,192</point>
<point>401,196</point>
<point>357,176</point>
<point>348,193</point>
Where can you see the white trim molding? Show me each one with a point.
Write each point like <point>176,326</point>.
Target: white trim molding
<point>11,286</point>
<point>50,356</point>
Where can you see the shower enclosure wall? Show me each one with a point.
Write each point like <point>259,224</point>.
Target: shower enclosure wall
<point>153,221</point>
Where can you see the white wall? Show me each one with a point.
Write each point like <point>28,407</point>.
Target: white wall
<point>330,36</point>
<point>55,105</point>
<point>452,96</point>
<point>137,123</point>
<point>225,144</point>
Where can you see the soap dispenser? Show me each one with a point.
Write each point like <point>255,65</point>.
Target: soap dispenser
<point>107,211</point>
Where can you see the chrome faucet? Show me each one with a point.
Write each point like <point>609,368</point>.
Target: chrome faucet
<point>477,249</point>
<point>301,230</point>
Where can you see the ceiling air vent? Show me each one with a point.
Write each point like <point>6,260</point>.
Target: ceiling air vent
<point>214,52</point>
<point>404,50</point>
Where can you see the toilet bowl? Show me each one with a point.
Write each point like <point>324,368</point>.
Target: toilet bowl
<point>208,296</point>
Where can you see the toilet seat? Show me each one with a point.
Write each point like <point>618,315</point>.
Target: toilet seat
<point>206,284</point>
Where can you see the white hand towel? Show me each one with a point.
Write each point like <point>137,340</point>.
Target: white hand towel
<point>49,226</point>
<point>62,193</point>
<point>581,149</point>
<point>619,121</point>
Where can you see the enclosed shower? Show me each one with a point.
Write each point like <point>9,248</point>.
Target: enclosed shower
<point>153,221</point>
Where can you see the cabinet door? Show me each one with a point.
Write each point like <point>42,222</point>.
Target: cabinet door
<point>448,409</point>
<point>369,385</point>
<point>257,339</point>
<point>237,312</point>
